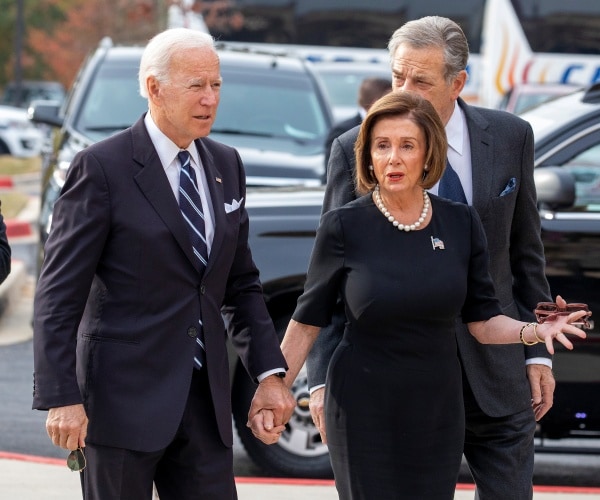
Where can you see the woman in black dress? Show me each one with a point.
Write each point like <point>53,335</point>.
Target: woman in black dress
<point>406,264</point>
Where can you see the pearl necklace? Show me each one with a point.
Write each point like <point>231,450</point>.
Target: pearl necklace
<point>391,218</point>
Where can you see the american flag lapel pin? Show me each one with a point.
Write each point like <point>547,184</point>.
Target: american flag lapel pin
<point>437,243</point>
<point>218,179</point>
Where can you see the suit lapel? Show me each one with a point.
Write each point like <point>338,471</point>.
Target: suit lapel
<point>482,160</point>
<point>153,182</point>
<point>215,187</point>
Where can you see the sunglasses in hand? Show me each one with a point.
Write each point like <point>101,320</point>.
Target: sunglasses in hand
<point>76,460</point>
<point>549,311</point>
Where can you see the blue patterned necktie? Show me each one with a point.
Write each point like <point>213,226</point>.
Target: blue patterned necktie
<point>191,209</point>
<point>450,186</point>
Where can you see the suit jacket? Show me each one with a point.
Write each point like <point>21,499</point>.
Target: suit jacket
<point>119,298</point>
<point>501,149</point>
<point>5,251</point>
<point>337,130</point>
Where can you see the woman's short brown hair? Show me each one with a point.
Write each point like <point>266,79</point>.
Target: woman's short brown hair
<point>421,112</point>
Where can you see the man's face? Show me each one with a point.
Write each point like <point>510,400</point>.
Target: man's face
<point>422,71</point>
<point>185,107</point>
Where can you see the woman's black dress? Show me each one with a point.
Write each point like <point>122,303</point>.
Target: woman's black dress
<point>394,406</point>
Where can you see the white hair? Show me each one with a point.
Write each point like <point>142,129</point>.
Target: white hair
<point>157,55</point>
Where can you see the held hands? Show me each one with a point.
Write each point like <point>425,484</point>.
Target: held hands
<point>556,326</point>
<point>271,408</point>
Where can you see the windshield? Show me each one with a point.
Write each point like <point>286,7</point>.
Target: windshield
<point>254,104</point>
<point>270,105</point>
<point>113,102</point>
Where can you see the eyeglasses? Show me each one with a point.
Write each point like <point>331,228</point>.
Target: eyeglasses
<point>549,311</point>
<point>76,460</point>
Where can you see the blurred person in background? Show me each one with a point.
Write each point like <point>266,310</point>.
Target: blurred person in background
<point>371,89</point>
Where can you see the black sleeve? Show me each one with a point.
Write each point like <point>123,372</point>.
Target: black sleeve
<point>5,252</point>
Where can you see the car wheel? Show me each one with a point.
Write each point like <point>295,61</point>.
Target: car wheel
<point>4,149</point>
<point>300,451</point>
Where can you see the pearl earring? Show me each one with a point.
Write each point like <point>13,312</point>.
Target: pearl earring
<point>370,167</point>
<point>426,167</point>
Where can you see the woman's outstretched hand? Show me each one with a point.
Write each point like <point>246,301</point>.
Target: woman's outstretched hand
<point>558,327</point>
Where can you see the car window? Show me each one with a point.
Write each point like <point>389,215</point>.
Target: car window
<point>112,103</point>
<point>585,168</point>
<point>266,105</point>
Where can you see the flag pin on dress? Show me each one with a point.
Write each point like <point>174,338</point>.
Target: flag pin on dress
<point>437,243</point>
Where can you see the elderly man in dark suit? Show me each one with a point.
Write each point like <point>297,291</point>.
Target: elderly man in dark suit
<point>506,388</point>
<point>149,246</point>
<point>5,252</point>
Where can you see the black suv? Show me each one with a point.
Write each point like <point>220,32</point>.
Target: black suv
<point>567,161</point>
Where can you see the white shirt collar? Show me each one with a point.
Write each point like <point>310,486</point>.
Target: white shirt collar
<point>167,150</point>
<point>455,130</point>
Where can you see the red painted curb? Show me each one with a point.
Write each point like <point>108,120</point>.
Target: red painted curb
<point>302,482</point>
<point>6,182</point>
<point>17,228</point>
<point>4,455</point>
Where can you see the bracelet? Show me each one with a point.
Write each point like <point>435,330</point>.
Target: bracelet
<point>523,341</point>
<point>535,325</point>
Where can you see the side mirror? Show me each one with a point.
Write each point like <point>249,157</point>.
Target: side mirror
<point>45,111</point>
<point>555,187</point>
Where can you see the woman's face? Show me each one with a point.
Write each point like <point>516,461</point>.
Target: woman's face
<point>398,152</point>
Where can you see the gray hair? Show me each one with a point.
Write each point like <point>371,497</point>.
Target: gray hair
<point>157,55</point>
<point>434,31</point>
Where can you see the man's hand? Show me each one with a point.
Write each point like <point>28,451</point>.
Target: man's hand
<point>271,408</point>
<point>317,411</point>
<point>542,383</point>
<point>67,426</point>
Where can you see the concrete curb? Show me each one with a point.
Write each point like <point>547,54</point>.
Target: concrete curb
<point>23,225</point>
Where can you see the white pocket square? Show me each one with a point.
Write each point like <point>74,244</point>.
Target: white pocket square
<point>233,206</point>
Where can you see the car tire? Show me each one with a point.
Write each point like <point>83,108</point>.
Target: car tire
<point>299,452</point>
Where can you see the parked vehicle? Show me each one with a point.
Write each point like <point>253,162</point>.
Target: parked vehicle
<point>18,136</point>
<point>523,96</point>
<point>21,94</point>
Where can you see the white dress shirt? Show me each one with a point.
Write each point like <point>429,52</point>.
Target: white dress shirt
<point>167,152</point>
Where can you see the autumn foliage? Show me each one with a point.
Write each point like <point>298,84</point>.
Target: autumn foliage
<point>58,34</point>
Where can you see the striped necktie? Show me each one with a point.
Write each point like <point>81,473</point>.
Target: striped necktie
<point>191,209</point>
<point>450,186</point>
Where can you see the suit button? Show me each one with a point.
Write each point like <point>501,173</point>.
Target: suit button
<point>192,332</point>
<point>202,289</point>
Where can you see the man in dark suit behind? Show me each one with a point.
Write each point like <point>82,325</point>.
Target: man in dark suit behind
<point>371,89</point>
<point>5,252</point>
<point>123,296</point>
<point>506,388</point>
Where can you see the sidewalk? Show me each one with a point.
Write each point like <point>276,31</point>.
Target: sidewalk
<point>33,478</point>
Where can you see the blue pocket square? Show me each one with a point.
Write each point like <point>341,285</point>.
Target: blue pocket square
<point>510,187</point>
